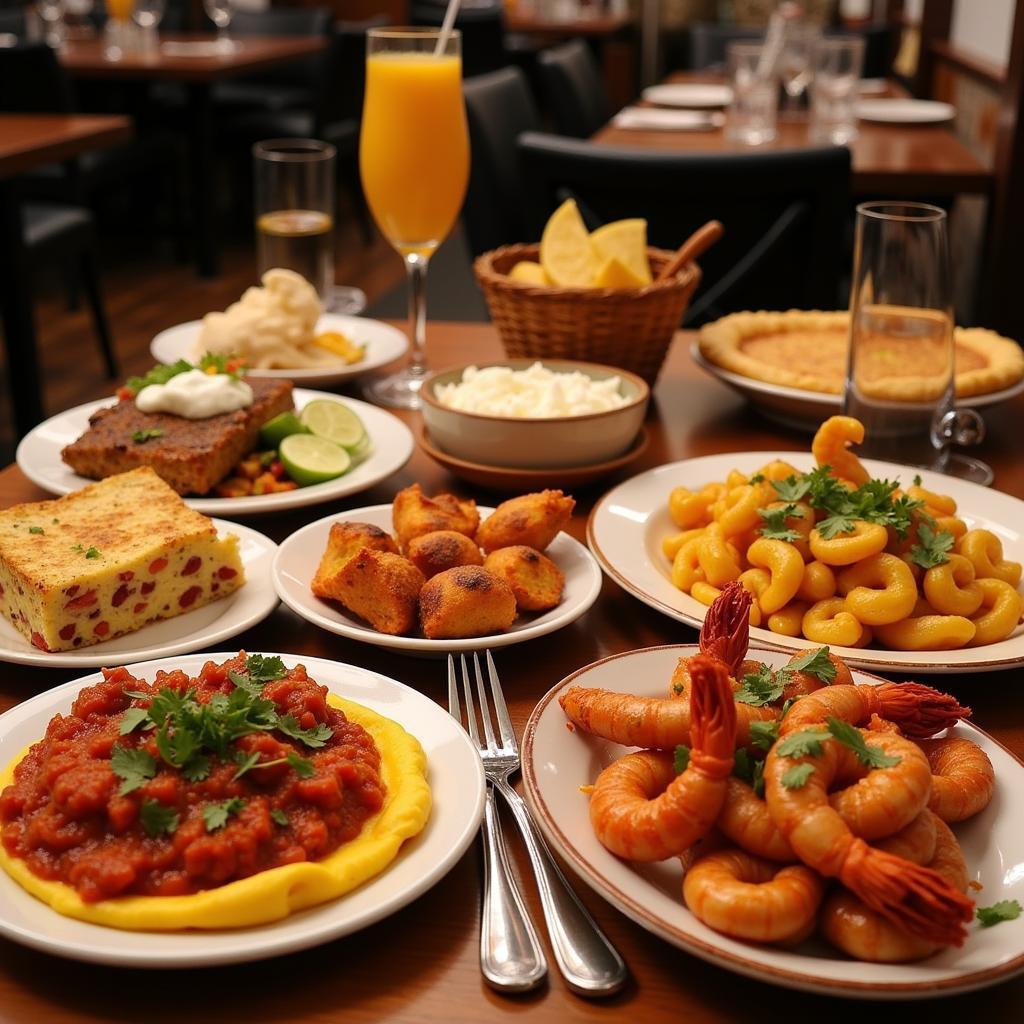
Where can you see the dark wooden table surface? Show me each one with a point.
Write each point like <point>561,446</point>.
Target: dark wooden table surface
<point>889,160</point>
<point>421,964</point>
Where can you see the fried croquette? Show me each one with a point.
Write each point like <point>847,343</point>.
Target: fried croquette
<point>414,514</point>
<point>535,580</point>
<point>345,540</point>
<point>532,520</point>
<point>443,549</point>
<point>382,588</point>
<point>466,601</point>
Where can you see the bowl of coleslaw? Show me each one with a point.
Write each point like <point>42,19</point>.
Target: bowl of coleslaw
<point>537,414</point>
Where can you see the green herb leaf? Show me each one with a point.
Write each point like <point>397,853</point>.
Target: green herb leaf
<point>133,766</point>
<point>92,553</point>
<point>851,737</point>
<point>757,478</point>
<point>158,819</point>
<point>265,669</point>
<point>806,743</point>
<point>797,776</point>
<point>931,548</point>
<point>142,436</point>
<point>775,527</point>
<point>159,374</point>
<point>245,762</point>
<point>302,767</point>
<point>786,705</point>
<point>219,363</point>
<point>315,737</point>
<point>216,816</point>
<point>764,734</point>
<point>268,458</point>
<point>279,817</point>
<point>917,479</point>
<point>834,525</point>
<point>815,663</point>
<point>1004,910</point>
<point>250,686</point>
<point>132,719</point>
<point>762,687</point>
<point>793,488</point>
<point>681,758</point>
<point>36,529</point>
<point>749,769</point>
<point>196,768</point>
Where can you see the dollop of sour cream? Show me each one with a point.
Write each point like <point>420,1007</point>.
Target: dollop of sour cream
<point>534,393</point>
<point>196,395</point>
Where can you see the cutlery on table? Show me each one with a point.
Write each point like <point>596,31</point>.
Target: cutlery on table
<point>589,963</point>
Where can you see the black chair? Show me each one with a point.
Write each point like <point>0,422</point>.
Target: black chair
<point>481,23</point>
<point>12,22</point>
<point>706,43</point>
<point>499,107</point>
<point>573,88</point>
<point>784,213</point>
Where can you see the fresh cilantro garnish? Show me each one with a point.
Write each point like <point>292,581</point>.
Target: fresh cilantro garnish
<point>78,548</point>
<point>932,547</point>
<point>775,527</point>
<point>196,768</point>
<point>793,488</point>
<point>133,718</point>
<point>302,766</point>
<point>917,479</point>
<point>832,526</point>
<point>681,758</point>
<point>762,687</point>
<point>245,762</point>
<point>757,478</point>
<point>815,663</point>
<point>806,743</point>
<point>258,671</point>
<point>221,364</point>
<point>749,769</point>
<point>1004,910</point>
<point>142,436</point>
<point>133,766</point>
<point>92,553</point>
<point>268,458</point>
<point>764,734</point>
<point>786,705</point>
<point>797,776</point>
<point>216,816</point>
<point>158,819</point>
<point>315,737</point>
<point>851,737</point>
<point>279,817</point>
<point>36,529</point>
<point>159,374</point>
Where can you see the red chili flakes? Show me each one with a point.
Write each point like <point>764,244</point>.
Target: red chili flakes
<point>189,597</point>
<point>38,641</point>
<point>68,631</point>
<point>102,628</point>
<point>140,607</point>
<point>148,587</point>
<point>225,572</point>
<point>83,600</point>
<point>192,566</point>
<point>157,565</point>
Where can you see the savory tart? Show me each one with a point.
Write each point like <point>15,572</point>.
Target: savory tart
<point>808,350</point>
<point>107,559</point>
<point>226,800</point>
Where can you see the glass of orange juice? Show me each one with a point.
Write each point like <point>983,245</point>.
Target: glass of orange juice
<point>414,163</point>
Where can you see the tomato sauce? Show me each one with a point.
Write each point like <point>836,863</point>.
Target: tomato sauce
<point>64,817</point>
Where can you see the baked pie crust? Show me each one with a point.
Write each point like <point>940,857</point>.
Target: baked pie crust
<point>808,350</point>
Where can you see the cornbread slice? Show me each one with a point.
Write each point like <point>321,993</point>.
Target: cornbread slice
<point>107,559</point>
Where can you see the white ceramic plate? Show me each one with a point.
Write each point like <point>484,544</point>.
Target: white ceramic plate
<point>627,526</point>
<point>39,459</point>
<point>556,762</point>
<point>455,774</point>
<point>206,626</point>
<point>905,111</point>
<point>659,120</point>
<point>300,554</point>
<point>806,409</point>
<point>688,94</point>
<point>383,342</point>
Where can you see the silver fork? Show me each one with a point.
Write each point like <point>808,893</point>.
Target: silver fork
<point>589,963</point>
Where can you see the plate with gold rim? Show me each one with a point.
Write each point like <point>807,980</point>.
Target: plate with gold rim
<point>557,762</point>
<point>628,524</point>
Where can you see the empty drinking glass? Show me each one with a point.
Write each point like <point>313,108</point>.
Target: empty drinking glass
<point>754,95</point>
<point>51,16</point>
<point>837,66</point>
<point>796,63</point>
<point>148,15</point>
<point>220,12</point>
<point>900,374</point>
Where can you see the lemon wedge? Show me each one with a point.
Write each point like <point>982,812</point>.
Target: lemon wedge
<point>566,253</point>
<point>615,274</point>
<point>528,272</point>
<point>625,241</point>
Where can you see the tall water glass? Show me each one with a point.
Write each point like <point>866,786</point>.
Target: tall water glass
<point>755,95</point>
<point>837,67</point>
<point>220,12</point>
<point>414,162</point>
<point>796,64</point>
<point>147,15</point>
<point>294,194</point>
<point>901,370</point>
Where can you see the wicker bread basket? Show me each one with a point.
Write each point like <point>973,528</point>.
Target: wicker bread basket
<point>627,327</point>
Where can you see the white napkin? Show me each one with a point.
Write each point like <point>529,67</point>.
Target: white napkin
<point>651,118</point>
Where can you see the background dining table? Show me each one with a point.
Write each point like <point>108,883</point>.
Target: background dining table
<point>421,963</point>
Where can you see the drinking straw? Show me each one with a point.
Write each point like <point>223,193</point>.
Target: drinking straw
<point>446,27</point>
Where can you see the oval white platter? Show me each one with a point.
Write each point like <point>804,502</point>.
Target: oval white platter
<point>688,94</point>
<point>392,442</point>
<point>214,622</point>
<point>556,762</point>
<point>455,774</point>
<point>298,557</point>
<point>384,344</point>
<point>905,111</point>
<point>628,524</point>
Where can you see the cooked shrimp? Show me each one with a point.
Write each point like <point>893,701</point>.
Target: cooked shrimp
<point>746,897</point>
<point>745,820</point>
<point>917,899</point>
<point>917,709</point>
<point>856,929</point>
<point>963,779</point>
<point>725,633</point>
<point>914,842</point>
<point>641,809</point>
<point>802,683</point>
<point>831,447</point>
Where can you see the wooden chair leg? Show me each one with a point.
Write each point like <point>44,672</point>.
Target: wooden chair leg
<point>91,285</point>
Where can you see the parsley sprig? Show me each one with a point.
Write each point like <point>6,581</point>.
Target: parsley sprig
<point>807,743</point>
<point>932,547</point>
<point>163,372</point>
<point>1004,910</point>
<point>816,663</point>
<point>775,527</point>
<point>215,816</point>
<point>762,687</point>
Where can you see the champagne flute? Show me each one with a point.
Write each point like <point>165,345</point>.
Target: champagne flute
<point>414,163</point>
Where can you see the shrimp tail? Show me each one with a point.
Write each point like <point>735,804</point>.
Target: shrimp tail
<point>915,899</point>
<point>725,634</point>
<point>712,717</point>
<point>919,710</point>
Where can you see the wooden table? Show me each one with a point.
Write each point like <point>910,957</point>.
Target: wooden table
<point>891,161</point>
<point>421,964</point>
<point>27,141</point>
<point>198,73</point>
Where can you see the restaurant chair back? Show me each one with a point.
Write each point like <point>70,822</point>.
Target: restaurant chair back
<point>12,21</point>
<point>481,23</point>
<point>706,43</point>
<point>784,213</point>
<point>499,107</point>
<point>32,81</point>
<point>573,88</point>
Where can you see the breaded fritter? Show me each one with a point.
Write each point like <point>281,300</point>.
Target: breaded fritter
<point>535,580</point>
<point>466,601</point>
<point>434,552</point>
<point>345,540</point>
<point>382,588</point>
<point>533,520</point>
<point>414,514</point>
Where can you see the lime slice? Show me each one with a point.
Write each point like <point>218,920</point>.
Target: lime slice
<point>361,450</point>
<point>333,422</point>
<point>274,431</point>
<point>309,459</point>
